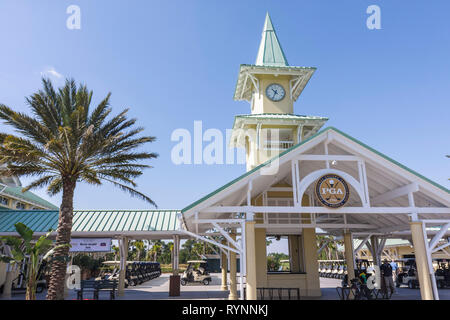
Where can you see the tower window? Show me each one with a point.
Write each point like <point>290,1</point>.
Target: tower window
<point>4,201</point>
<point>277,139</point>
<point>20,205</point>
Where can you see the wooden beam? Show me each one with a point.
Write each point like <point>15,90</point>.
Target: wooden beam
<point>393,194</point>
<point>344,210</point>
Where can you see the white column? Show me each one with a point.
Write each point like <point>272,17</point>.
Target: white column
<point>420,252</point>
<point>349,256</point>
<point>123,248</point>
<point>224,269</point>
<point>233,284</point>
<point>176,253</point>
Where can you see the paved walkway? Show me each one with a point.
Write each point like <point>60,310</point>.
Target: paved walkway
<point>157,289</point>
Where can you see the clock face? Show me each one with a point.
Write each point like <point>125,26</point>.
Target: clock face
<point>275,92</point>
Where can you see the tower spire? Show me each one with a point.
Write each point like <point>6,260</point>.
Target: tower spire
<point>270,52</point>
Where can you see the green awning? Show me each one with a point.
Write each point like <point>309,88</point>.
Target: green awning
<point>101,221</point>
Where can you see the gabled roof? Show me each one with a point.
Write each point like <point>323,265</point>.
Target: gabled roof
<point>245,86</point>
<point>99,221</point>
<point>270,52</point>
<point>28,196</point>
<point>292,149</point>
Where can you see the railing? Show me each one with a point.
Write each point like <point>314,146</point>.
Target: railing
<point>278,145</point>
<point>278,293</point>
<point>362,292</point>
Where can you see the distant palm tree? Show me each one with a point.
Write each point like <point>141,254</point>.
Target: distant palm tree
<point>156,249</point>
<point>62,142</point>
<point>140,247</point>
<point>116,252</point>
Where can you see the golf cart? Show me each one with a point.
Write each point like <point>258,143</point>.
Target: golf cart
<point>442,273</point>
<point>196,272</point>
<point>408,275</point>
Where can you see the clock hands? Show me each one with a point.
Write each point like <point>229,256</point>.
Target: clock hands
<point>275,92</point>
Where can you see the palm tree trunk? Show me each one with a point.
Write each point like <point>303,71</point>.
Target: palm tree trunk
<point>31,287</point>
<point>59,264</point>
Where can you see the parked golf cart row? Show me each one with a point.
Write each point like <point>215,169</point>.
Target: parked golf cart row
<point>136,272</point>
<point>405,276</point>
<point>332,269</point>
<point>408,274</point>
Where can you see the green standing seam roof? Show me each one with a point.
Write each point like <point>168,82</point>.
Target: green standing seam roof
<point>93,220</point>
<point>28,196</point>
<point>302,143</point>
<point>270,52</point>
<point>277,116</point>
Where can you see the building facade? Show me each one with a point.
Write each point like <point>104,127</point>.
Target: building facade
<point>12,197</point>
<point>301,178</point>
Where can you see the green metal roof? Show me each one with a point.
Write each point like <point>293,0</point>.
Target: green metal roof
<point>244,88</point>
<point>270,52</point>
<point>389,243</point>
<point>281,116</point>
<point>28,196</point>
<point>93,220</point>
<point>297,146</point>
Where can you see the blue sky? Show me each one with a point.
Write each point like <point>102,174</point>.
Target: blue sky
<point>174,62</point>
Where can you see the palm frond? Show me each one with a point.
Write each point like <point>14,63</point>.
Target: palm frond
<point>132,192</point>
<point>62,138</point>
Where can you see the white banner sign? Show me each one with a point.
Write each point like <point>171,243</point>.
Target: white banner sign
<point>90,245</point>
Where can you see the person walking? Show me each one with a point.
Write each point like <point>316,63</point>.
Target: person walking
<point>395,270</point>
<point>386,273</point>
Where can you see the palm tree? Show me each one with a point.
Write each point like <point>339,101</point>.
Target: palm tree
<point>61,142</point>
<point>155,249</point>
<point>116,252</point>
<point>140,247</point>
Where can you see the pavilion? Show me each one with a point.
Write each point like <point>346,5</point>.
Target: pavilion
<point>300,178</point>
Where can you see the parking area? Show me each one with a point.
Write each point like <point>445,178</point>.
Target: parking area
<point>157,289</point>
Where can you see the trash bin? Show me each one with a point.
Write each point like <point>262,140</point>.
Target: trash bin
<point>174,286</point>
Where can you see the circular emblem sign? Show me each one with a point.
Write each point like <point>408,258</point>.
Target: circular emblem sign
<point>332,191</point>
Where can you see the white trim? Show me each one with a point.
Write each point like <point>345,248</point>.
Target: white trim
<point>315,225</point>
<point>321,157</point>
<point>202,238</point>
<point>225,234</point>
<point>362,243</point>
<point>280,189</point>
<point>430,263</point>
<point>393,194</point>
<point>342,210</point>
<point>313,176</point>
<point>438,236</point>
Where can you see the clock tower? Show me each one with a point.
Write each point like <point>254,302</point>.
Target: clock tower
<point>271,86</point>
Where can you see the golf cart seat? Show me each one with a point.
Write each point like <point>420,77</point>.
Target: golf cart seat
<point>201,270</point>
